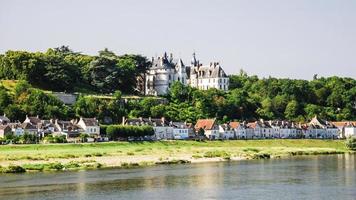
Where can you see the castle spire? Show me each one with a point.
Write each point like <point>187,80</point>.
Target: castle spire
<point>194,60</point>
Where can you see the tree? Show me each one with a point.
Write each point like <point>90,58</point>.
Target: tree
<point>104,75</point>
<point>5,100</point>
<point>14,112</point>
<point>292,109</point>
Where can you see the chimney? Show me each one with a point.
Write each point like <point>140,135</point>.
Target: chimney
<point>149,118</point>
<point>123,120</point>
<point>163,120</point>
<point>140,118</point>
<point>37,116</point>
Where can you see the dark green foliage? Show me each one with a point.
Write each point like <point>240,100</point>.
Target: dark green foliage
<point>13,169</point>
<point>55,139</point>
<point>351,143</point>
<point>106,110</point>
<point>61,69</point>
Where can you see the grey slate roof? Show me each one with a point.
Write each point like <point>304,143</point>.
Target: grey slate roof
<point>211,71</point>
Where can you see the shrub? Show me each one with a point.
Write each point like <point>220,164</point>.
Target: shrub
<point>54,166</point>
<point>38,167</point>
<point>113,132</point>
<point>72,164</point>
<point>214,154</point>
<point>14,169</point>
<point>351,143</point>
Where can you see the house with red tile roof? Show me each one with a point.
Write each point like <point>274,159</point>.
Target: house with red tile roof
<point>210,127</point>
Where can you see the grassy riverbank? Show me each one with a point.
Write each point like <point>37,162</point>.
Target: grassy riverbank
<point>45,157</point>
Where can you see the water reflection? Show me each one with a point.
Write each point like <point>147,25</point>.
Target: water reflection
<point>315,177</point>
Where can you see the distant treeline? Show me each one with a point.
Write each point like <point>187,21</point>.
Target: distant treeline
<point>248,98</point>
<point>61,69</point>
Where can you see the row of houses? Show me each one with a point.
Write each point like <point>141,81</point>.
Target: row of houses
<point>204,128</point>
<point>261,129</point>
<point>41,127</point>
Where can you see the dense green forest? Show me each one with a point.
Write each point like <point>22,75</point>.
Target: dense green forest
<point>248,98</point>
<point>61,69</point>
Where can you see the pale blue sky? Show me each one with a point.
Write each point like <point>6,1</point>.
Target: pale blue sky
<point>281,38</point>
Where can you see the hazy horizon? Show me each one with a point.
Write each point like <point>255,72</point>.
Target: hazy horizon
<point>284,39</point>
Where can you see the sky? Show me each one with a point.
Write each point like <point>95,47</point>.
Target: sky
<point>280,38</point>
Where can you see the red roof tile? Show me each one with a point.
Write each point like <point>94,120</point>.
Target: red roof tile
<point>206,124</point>
<point>234,124</point>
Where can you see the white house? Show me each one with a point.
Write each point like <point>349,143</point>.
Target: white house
<point>162,129</point>
<point>262,129</point>
<point>90,126</point>
<point>324,129</point>
<point>226,132</point>
<point>181,130</point>
<point>283,129</point>
<point>68,128</point>
<point>350,130</point>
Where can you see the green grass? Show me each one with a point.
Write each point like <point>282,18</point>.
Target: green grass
<point>67,156</point>
<point>47,151</point>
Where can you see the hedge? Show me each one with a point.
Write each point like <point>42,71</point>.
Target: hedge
<point>124,131</point>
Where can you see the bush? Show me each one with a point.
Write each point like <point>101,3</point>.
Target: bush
<point>55,139</point>
<point>54,166</point>
<point>38,167</point>
<point>14,169</point>
<point>351,143</point>
<point>214,154</point>
<point>113,132</point>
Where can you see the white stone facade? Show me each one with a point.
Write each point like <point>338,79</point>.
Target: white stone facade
<point>165,70</point>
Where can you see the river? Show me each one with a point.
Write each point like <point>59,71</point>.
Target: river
<point>309,177</point>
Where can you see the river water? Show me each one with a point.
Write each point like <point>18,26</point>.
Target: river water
<point>312,177</point>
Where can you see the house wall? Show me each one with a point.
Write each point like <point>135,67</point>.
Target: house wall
<point>91,130</point>
<point>180,133</point>
<point>350,131</point>
<point>163,132</point>
<point>212,134</point>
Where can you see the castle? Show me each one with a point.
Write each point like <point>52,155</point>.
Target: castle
<point>165,70</point>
